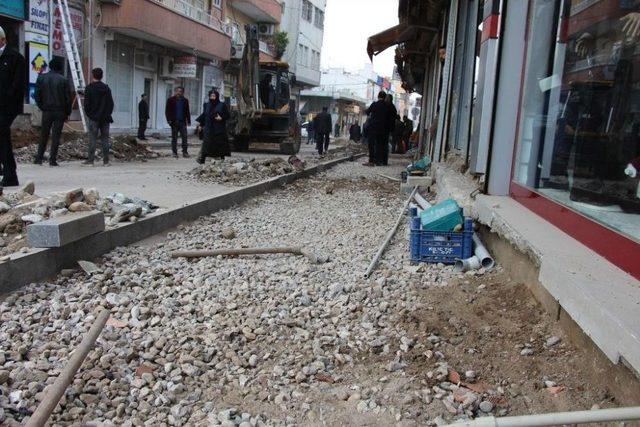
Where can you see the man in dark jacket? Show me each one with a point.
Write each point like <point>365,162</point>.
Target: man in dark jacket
<point>178,116</point>
<point>391,124</point>
<point>12,84</point>
<point>143,116</point>
<point>98,105</point>
<point>396,137</point>
<point>355,133</point>
<point>378,130</point>
<point>322,126</point>
<point>53,97</point>
<point>408,131</point>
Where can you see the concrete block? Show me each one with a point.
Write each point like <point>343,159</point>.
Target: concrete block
<point>419,181</point>
<point>58,232</point>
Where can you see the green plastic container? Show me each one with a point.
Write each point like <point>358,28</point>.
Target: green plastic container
<point>444,216</point>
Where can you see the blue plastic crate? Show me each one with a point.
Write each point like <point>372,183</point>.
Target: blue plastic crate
<point>440,246</point>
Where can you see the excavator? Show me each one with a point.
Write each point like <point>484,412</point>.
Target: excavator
<point>265,114</point>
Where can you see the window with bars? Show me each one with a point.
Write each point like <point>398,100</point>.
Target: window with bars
<point>307,10</point>
<point>319,18</point>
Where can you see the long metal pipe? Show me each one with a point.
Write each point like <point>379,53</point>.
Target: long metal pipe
<point>55,393</point>
<point>556,419</point>
<point>392,232</point>
<point>482,253</point>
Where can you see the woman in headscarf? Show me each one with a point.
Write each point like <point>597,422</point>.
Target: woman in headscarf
<point>213,122</point>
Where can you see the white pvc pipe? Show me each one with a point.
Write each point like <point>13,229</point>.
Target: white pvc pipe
<point>424,204</point>
<point>464,265</point>
<point>556,419</point>
<point>482,253</point>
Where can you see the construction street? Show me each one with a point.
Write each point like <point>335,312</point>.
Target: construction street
<point>275,340</point>
<point>279,213</point>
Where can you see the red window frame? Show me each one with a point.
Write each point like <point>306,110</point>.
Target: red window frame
<point>622,251</point>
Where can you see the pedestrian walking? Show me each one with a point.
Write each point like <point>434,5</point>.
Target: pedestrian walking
<point>143,116</point>
<point>408,131</point>
<point>322,126</point>
<point>392,113</point>
<point>355,133</point>
<point>98,106</point>
<point>12,84</point>
<point>178,116</point>
<point>310,133</point>
<point>378,130</point>
<point>53,97</point>
<point>396,136</point>
<point>213,123</point>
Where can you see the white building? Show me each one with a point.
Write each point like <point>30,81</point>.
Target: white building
<point>303,20</point>
<point>363,84</point>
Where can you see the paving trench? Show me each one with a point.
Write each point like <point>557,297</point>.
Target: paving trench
<point>275,340</point>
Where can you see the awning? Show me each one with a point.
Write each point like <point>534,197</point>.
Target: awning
<point>395,35</point>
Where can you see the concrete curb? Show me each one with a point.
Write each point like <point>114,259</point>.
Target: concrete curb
<point>40,264</point>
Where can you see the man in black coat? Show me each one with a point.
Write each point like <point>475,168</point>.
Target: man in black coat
<point>391,124</point>
<point>355,133</point>
<point>53,97</point>
<point>380,117</point>
<point>12,84</point>
<point>178,116</point>
<point>98,105</point>
<point>143,116</point>
<point>322,126</point>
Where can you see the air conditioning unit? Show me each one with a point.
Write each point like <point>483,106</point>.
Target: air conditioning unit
<point>166,67</point>
<point>266,29</point>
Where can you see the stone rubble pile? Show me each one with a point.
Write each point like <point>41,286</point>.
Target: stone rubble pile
<point>240,171</point>
<point>123,147</point>
<point>247,341</point>
<point>19,209</point>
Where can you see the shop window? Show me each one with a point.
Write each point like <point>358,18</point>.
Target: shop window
<point>579,129</point>
<point>120,75</point>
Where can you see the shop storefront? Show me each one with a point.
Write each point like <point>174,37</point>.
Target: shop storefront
<point>134,67</point>
<point>577,155</point>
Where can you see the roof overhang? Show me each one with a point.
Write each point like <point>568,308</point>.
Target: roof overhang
<point>380,42</point>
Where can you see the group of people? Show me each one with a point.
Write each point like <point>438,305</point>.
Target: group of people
<point>382,122</point>
<point>54,97</point>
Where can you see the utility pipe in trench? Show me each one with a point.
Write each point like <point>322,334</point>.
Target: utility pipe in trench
<point>556,419</point>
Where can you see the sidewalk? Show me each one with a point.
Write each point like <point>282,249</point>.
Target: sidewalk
<point>156,180</point>
<point>600,298</point>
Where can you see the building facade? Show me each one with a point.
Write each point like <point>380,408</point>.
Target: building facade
<point>303,20</point>
<point>153,46</point>
<point>144,46</point>
<point>542,103</point>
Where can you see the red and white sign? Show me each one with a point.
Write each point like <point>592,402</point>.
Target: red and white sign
<point>185,67</point>
<point>57,41</point>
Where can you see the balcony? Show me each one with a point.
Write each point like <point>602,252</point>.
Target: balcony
<point>267,11</point>
<point>197,14</point>
<point>172,23</point>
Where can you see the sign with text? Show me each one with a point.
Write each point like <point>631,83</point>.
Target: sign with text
<point>57,40</point>
<point>185,67</point>
<point>38,17</point>
<point>38,64</point>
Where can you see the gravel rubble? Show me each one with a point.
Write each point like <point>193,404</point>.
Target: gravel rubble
<point>256,340</point>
